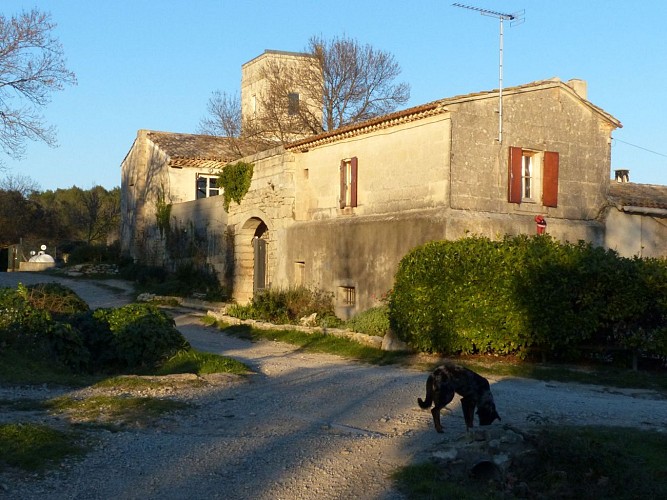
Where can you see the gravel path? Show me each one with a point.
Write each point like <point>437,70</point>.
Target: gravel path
<point>303,426</point>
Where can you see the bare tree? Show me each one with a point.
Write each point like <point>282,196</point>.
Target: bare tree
<point>358,81</point>
<point>345,83</point>
<point>20,183</point>
<point>32,66</point>
<point>224,115</point>
<point>225,119</point>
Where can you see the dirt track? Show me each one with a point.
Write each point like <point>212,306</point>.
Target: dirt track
<point>305,426</point>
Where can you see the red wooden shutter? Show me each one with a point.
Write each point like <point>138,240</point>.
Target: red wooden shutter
<point>353,182</point>
<point>343,184</point>
<point>550,179</point>
<point>514,175</point>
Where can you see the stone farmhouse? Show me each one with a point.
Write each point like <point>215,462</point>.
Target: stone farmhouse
<point>338,210</point>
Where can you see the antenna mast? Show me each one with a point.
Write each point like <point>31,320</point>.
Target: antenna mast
<point>516,18</point>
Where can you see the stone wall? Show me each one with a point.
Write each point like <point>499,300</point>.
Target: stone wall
<point>551,119</point>
<point>636,235</point>
<point>364,252</point>
<point>403,167</point>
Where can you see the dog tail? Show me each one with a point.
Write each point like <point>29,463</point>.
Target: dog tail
<point>429,394</point>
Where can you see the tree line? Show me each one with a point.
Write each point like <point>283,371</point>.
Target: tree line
<point>58,217</point>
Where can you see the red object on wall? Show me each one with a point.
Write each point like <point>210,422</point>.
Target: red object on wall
<point>541,224</point>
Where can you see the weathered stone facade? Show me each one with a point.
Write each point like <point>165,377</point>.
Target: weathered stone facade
<point>339,210</point>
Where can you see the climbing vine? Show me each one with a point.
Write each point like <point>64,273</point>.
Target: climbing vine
<point>162,214</point>
<point>235,180</point>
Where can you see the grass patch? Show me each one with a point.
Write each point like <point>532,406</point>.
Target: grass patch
<point>19,368</point>
<point>201,363</point>
<point>583,374</point>
<point>317,342</point>
<point>566,462</point>
<point>427,481</point>
<point>34,447</point>
<point>115,411</point>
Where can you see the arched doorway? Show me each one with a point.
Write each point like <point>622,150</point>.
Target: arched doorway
<point>252,257</point>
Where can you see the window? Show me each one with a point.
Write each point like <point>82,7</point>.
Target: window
<point>533,177</point>
<point>207,185</point>
<point>299,273</point>
<point>293,103</point>
<point>348,183</point>
<point>347,296</point>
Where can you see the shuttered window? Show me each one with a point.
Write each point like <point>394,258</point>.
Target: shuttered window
<point>348,182</point>
<point>533,177</point>
<point>550,179</point>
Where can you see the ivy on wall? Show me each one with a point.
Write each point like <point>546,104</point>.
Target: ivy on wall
<point>162,214</point>
<point>235,180</point>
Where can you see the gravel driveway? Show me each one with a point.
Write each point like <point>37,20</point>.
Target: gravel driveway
<point>303,426</point>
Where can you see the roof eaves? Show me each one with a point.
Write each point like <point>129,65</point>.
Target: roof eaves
<point>380,122</point>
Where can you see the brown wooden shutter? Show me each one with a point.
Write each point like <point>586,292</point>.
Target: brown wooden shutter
<point>550,179</point>
<point>514,175</point>
<point>353,182</point>
<point>343,184</point>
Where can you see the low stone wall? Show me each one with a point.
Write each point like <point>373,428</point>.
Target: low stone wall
<point>370,340</point>
<point>36,266</point>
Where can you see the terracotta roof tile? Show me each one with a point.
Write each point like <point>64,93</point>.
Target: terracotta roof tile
<point>191,146</point>
<point>437,107</point>
<point>630,194</point>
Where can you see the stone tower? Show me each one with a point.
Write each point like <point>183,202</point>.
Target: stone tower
<point>291,113</point>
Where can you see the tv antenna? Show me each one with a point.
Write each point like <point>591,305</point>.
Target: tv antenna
<point>515,19</point>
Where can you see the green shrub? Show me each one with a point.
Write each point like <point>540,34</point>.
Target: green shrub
<point>97,338</point>
<point>143,335</point>
<point>374,321</point>
<point>185,281</point>
<point>68,347</point>
<point>59,300</point>
<point>21,325</point>
<point>241,312</point>
<point>288,306</point>
<point>480,296</point>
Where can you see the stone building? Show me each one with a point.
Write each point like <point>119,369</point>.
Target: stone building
<point>338,210</point>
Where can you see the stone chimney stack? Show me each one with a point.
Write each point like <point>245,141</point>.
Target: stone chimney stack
<point>579,86</point>
<point>622,175</point>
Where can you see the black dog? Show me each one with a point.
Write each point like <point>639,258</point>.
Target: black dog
<point>473,389</point>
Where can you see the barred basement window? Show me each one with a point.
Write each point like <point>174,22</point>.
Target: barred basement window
<point>347,295</point>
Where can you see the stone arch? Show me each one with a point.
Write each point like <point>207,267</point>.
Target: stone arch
<point>251,251</point>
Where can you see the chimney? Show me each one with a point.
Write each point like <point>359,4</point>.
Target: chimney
<point>580,87</point>
<point>622,175</point>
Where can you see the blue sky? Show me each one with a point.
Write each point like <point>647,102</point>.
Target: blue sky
<point>154,64</point>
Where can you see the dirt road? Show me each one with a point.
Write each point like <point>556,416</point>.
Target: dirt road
<point>305,426</point>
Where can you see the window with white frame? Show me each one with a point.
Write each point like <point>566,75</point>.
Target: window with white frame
<point>207,186</point>
<point>530,176</point>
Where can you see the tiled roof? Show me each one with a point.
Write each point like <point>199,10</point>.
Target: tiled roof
<point>629,195</point>
<point>194,147</point>
<point>436,107</point>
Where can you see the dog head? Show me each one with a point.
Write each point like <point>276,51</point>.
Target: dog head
<point>486,412</point>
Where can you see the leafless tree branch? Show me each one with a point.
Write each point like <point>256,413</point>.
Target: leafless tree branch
<point>32,67</point>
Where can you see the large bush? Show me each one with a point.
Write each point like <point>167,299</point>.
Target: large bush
<point>524,293</point>
<point>143,336</point>
<point>52,323</point>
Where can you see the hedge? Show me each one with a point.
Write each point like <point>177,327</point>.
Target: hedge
<point>523,294</point>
